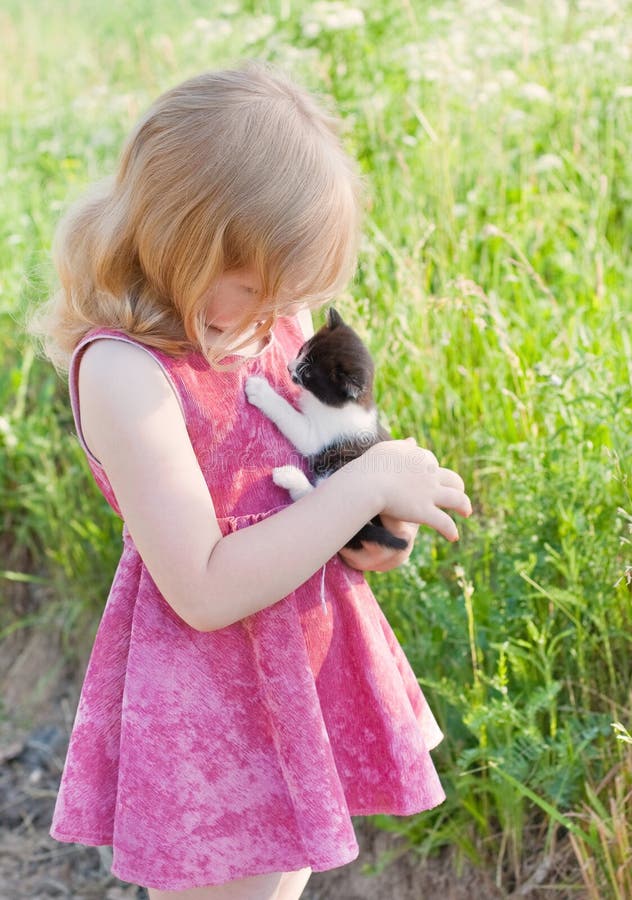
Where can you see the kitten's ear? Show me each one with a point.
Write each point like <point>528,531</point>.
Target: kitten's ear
<point>333,318</point>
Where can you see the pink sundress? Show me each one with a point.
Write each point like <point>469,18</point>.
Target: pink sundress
<point>203,757</point>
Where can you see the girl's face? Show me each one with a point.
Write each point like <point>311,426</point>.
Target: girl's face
<point>232,296</point>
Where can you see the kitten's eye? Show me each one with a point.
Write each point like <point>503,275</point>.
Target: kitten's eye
<point>304,370</point>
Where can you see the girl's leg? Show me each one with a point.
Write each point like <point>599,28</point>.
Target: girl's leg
<point>255,887</point>
<point>293,884</point>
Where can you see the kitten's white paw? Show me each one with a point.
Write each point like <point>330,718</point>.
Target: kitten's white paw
<point>293,480</point>
<point>257,390</point>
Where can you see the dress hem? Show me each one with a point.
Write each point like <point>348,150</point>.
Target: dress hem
<point>322,865</point>
<point>187,884</point>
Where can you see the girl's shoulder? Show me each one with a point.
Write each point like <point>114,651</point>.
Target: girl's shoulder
<point>112,362</point>
<point>118,378</point>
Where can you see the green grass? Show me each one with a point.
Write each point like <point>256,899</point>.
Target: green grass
<point>493,289</point>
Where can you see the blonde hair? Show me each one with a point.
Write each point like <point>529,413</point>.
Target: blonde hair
<point>228,169</point>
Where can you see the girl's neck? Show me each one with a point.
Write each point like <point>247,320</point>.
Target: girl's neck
<point>256,346</point>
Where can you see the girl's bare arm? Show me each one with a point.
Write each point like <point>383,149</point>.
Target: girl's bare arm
<point>133,424</point>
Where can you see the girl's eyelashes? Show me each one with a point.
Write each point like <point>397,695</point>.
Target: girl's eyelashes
<point>249,290</point>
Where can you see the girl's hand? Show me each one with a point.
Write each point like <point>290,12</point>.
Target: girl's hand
<point>374,557</point>
<point>413,487</point>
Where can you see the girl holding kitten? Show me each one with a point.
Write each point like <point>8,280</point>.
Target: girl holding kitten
<point>229,727</point>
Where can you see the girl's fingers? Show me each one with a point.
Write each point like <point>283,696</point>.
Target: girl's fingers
<point>398,527</point>
<point>442,523</point>
<point>453,498</point>
<point>370,558</point>
<point>449,478</point>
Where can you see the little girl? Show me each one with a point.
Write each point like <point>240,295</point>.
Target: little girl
<point>229,726</point>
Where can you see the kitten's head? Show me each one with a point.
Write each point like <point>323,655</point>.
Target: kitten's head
<point>334,365</point>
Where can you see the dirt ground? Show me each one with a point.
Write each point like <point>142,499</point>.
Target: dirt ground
<point>40,693</point>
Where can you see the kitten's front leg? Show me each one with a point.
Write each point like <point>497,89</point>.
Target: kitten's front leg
<point>290,422</point>
<point>293,480</point>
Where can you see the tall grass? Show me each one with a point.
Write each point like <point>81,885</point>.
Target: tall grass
<point>494,292</point>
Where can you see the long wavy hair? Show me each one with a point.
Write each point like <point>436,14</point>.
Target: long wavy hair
<point>229,169</point>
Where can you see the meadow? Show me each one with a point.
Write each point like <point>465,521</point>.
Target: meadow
<point>494,291</point>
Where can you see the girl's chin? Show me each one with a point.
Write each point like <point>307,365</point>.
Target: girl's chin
<point>225,326</point>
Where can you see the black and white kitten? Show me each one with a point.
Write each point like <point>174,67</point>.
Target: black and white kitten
<point>337,420</point>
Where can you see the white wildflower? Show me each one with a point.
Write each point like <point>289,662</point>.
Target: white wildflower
<point>256,29</point>
<point>377,102</point>
<point>54,146</point>
<point>535,92</point>
<point>583,46</point>
<point>466,76</point>
<point>330,15</point>
<point>103,137</point>
<point>10,440</point>
<point>439,14</point>
<point>163,44</point>
<point>507,77</point>
<point>213,29</point>
<point>515,117</point>
<point>491,88</point>
<point>297,57</point>
<point>474,8</point>
<point>624,91</point>
<point>606,34</point>
<point>90,99</point>
<point>548,162</point>
<point>311,29</point>
<point>555,380</point>
<point>415,74</point>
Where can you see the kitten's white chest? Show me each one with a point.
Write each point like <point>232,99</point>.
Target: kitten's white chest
<point>317,425</point>
<point>331,424</point>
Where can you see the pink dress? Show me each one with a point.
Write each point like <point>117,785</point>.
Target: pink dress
<point>203,757</point>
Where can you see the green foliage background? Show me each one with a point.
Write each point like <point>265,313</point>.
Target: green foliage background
<point>493,290</point>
